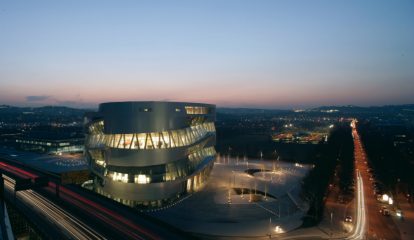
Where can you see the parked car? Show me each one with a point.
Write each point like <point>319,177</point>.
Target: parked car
<point>348,219</point>
<point>385,211</point>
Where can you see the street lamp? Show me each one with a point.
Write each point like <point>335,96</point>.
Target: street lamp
<point>234,178</point>
<point>228,157</point>
<point>270,227</point>
<point>278,229</point>
<point>385,197</point>
<point>229,193</point>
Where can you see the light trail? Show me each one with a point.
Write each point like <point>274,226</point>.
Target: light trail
<point>72,227</point>
<point>16,170</point>
<point>104,214</point>
<point>361,222</point>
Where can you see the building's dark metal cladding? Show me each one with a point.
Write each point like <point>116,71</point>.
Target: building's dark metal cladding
<point>147,117</point>
<point>137,117</point>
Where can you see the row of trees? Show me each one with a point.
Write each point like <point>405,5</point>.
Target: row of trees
<point>326,157</point>
<point>390,154</point>
<point>346,164</point>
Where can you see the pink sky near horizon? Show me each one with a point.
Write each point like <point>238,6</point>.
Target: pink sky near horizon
<point>224,94</point>
<point>267,54</point>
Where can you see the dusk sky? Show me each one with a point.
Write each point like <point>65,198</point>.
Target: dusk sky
<point>270,54</point>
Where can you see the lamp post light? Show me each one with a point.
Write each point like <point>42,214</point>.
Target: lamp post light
<point>234,179</point>
<point>255,187</point>
<point>274,167</point>
<point>228,157</point>
<point>270,227</point>
<point>229,193</point>
<point>250,193</point>
<point>279,209</point>
<point>278,161</point>
<point>331,224</point>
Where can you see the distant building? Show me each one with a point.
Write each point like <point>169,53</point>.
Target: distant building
<point>148,154</point>
<point>49,143</point>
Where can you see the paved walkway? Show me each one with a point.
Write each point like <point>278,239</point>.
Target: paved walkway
<point>406,223</point>
<point>276,204</point>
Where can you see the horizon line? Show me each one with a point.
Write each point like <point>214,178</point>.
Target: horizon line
<point>223,107</point>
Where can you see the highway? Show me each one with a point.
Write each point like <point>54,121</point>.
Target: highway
<point>70,226</point>
<point>123,226</point>
<point>82,214</point>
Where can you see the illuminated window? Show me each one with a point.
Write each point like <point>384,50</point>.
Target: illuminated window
<point>142,179</point>
<point>196,110</point>
<point>116,141</point>
<point>126,140</point>
<point>166,139</point>
<point>197,156</point>
<point>100,162</point>
<point>141,138</point>
<point>148,143</point>
<point>154,140</point>
<point>121,177</point>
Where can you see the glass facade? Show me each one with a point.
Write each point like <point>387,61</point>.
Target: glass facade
<point>196,110</point>
<point>187,152</point>
<point>166,172</point>
<point>154,140</point>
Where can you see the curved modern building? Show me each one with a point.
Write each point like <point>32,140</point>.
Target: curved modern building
<point>148,154</point>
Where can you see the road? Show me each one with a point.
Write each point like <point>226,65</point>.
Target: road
<point>78,206</point>
<point>377,226</point>
<point>124,228</point>
<point>69,226</point>
<point>361,222</point>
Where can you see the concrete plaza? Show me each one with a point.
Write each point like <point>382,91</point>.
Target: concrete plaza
<point>242,198</point>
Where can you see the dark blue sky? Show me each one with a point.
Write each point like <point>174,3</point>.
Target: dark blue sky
<point>269,54</point>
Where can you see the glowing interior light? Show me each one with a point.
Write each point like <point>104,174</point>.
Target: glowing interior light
<point>142,179</point>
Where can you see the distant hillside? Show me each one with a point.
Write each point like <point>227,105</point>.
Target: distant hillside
<point>250,111</point>
<point>49,110</point>
<point>12,114</point>
<point>372,109</point>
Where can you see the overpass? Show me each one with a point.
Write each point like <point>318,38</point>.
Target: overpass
<point>71,212</point>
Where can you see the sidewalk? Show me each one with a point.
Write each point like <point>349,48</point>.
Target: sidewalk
<point>405,224</point>
<point>333,224</point>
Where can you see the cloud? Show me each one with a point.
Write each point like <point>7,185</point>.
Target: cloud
<point>36,98</point>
